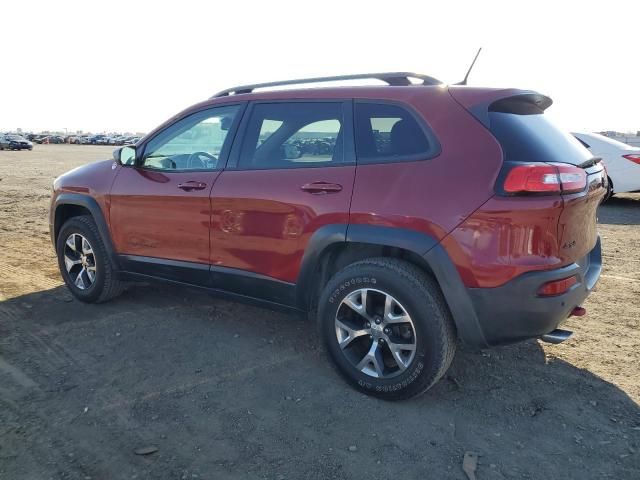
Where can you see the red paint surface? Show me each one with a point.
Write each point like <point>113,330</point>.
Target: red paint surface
<point>93,179</point>
<point>151,216</point>
<point>262,220</point>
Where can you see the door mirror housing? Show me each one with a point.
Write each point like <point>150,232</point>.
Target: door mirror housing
<point>125,155</point>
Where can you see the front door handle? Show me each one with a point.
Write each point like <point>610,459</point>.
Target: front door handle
<point>192,185</point>
<point>321,188</point>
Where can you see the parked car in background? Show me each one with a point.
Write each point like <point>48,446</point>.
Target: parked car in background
<point>11,141</point>
<point>96,139</point>
<point>622,161</point>
<point>359,206</point>
<point>52,139</point>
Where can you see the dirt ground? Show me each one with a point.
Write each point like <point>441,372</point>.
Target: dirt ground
<point>227,391</point>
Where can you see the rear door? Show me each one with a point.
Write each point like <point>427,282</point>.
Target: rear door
<point>290,173</point>
<point>160,205</point>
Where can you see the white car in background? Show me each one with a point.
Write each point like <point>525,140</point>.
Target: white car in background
<point>622,161</point>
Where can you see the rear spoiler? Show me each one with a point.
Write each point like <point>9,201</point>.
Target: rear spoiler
<point>480,101</point>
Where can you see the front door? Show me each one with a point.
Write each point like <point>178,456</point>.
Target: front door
<point>291,174</point>
<point>160,206</point>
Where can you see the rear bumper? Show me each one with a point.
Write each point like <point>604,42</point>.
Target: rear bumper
<point>514,311</point>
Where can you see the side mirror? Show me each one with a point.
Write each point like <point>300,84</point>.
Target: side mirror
<point>125,155</point>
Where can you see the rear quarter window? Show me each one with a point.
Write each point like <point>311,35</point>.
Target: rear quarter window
<point>386,133</point>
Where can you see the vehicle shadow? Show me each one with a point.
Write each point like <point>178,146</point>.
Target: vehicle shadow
<point>623,209</point>
<point>224,390</point>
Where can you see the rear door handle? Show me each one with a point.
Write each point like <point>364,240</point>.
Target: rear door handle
<point>192,185</point>
<point>321,188</point>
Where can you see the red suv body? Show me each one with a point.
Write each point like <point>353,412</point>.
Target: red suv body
<point>269,196</point>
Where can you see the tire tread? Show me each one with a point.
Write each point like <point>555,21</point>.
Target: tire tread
<point>423,286</point>
<point>112,286</point>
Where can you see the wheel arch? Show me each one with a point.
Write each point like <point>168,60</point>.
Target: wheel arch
<point>333,247</point>
<point>69,205</point>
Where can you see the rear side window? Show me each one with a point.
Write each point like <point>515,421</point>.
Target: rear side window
<point>390,133</point>
<point>535,138</point>
<point>293,135</point>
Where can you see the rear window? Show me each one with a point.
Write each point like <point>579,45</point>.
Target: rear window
<point>535,138</point>
<point>390,133</point>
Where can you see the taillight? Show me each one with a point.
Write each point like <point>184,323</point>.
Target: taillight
<point>557,287</point>
<point>573,179</point>
<point>545,178</point>
<point>635,158</point>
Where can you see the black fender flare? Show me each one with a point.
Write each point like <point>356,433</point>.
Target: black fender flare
<point>90,203</point>
<point>427,247</point>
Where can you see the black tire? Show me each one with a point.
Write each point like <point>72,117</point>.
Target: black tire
<point>609,193</point>
<point>106,284</point>
<point>421,297</point>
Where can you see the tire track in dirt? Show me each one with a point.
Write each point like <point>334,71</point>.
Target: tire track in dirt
<point>16,374</point>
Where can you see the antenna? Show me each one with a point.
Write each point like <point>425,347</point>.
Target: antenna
<point>464,82</point>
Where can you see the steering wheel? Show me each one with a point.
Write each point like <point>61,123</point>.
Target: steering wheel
<point>197,155</point>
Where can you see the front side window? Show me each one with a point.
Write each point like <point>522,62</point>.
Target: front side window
<point>386,132</point>
<point>293,135</point>
<point>193,143</point>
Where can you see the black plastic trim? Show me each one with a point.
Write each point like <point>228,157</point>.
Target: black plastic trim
<point>224,294</point>
<point>514,311</point>
<point>94,209</point>
<point>254,285</point>
<point>411,240</point>
<point>456,296</point>
<point>321,239</point>
<point>233,281</point>
<point>191,273</point>
<point>391,78</point>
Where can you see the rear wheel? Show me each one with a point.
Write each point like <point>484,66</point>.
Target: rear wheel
<point>84,262</point>
<point>387,328</point>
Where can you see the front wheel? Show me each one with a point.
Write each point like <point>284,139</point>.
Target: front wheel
<point>84,262</point>
<point>387,328</point>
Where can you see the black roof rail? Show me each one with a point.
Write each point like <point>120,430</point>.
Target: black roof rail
<point>391,78</point>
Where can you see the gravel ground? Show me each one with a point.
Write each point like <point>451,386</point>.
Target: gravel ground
<point>224,390</point>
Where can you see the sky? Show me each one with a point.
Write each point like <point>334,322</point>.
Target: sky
<point>129,65</point>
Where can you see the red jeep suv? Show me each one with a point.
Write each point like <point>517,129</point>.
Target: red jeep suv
<point>403,217</point>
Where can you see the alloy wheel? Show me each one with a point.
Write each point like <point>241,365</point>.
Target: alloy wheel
<point>375,333</point>
<point>79,261</point>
